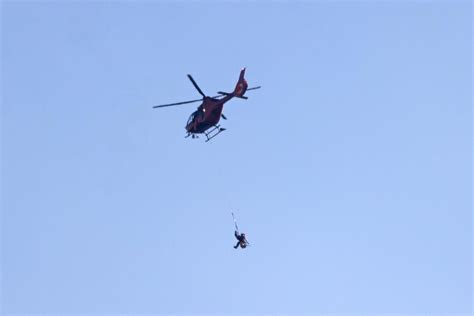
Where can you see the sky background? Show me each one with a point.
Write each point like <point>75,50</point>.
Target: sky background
<point>350,170</point>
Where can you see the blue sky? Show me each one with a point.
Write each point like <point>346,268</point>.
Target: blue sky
<point>350,170</point>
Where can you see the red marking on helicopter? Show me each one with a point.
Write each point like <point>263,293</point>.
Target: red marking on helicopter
<point>207,116</point>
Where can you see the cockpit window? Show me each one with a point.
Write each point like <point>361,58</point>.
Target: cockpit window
<point>191,117</point>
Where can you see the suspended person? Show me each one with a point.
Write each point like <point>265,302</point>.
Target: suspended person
<point>241,240</point>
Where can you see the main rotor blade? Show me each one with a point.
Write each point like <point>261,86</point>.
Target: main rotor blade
<point>196,86</point>
<point>217,96</point>
<point>178,103</point>
<point>254,88</point>
<point>185,102</point>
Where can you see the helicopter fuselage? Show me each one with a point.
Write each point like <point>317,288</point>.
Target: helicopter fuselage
<point>207,115</point>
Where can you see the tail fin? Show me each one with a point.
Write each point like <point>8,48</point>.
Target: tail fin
<point>241,85</point>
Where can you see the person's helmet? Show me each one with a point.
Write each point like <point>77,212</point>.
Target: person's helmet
<point>243,234</point>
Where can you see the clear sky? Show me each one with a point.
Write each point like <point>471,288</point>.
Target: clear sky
<point>350,170</point>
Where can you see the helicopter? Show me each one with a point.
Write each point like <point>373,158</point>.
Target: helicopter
<point>205,120</point>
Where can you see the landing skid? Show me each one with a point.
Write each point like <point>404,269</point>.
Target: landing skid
<point>216,130</point>
<point>213,132</point>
